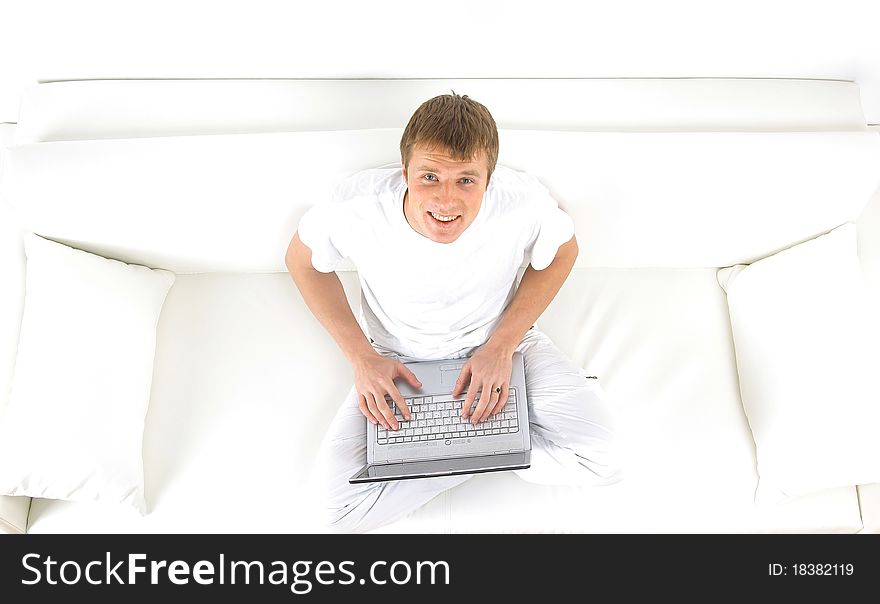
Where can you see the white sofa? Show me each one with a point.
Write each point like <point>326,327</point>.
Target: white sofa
<point>667,181</point>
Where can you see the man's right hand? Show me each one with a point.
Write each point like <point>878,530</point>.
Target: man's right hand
<point>374,378</point>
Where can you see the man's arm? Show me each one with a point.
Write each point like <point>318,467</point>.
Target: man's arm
<point>373,374</point>
<point>325,297</point>
<point>536,290</point>
<point>488,370</point>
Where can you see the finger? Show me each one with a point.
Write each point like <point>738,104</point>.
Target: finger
<point>373,406</point>
<point>382,411</point>
<point>469,400</point>
<point>502,400</point>
<point>482,405</point>
<point>407,374</point>
<point>395,395</point>
<point>462,381</point>
<point>386,412</point>
<point>493,403</point>
<point>362,405</point>
<point>480,411</point>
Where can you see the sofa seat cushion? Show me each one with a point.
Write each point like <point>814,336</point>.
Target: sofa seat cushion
<point>246,382</point>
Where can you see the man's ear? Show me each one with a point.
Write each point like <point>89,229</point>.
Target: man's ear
<point>404,170</point>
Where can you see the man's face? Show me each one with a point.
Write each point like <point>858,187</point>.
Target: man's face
<point>440,188</point>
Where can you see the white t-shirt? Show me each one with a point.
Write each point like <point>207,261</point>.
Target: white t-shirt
<point>424,299</point>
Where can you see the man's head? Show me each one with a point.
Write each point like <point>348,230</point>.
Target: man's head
<point>449,150</point>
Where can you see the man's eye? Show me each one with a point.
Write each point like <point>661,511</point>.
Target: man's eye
<point>430,176</point>
<point>468,179</point>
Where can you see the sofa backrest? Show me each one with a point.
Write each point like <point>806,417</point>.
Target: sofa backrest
<point>130,108</point>
<point>189,198</point>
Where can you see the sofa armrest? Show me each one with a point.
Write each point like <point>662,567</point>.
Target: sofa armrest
<point>14,514</point>
<point>13,510</point>
<point>869,506</point>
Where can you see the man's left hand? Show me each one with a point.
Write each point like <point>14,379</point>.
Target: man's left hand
<point>489,368</point>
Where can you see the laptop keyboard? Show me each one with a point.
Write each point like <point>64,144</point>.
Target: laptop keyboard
<point>439,418</point>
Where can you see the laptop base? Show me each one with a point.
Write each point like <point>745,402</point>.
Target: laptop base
<point>405,470</point>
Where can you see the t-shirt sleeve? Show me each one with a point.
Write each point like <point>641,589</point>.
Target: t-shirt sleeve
<point>552,227</point>
<point>321,230</point>
<point>330,229</point>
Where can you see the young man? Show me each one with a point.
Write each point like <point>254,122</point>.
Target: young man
<point>437,243</point>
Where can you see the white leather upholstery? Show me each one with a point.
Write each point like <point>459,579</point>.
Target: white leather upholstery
<point>246,380</point>
<point>231,202</point>
<point>246,383</point>
<point>13,510</point>
<point>869,503</point>
<point>14,514</point>
<point>76,110</point>
<point>869,256</point>
<point>12,276</point>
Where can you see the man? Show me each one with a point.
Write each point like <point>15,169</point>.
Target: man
<point>437,243</point>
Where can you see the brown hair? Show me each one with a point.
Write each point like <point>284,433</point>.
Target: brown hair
<point>457,123</point>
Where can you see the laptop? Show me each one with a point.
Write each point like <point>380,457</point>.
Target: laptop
<point>437,441</point>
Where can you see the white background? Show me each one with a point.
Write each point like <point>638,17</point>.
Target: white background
<point>76,39</point>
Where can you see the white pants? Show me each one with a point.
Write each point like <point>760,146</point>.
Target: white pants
<point>571,429</point>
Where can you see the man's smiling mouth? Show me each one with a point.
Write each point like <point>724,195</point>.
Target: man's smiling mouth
<point>442,218</point>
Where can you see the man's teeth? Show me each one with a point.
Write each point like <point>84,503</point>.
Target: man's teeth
<point>443,218</point>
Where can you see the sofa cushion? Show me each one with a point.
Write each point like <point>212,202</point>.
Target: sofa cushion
<point>657,199</point>
<point>807,350</point>
<point>73,427</point>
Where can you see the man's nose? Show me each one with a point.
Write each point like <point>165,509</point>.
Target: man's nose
<point>446,194</point>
